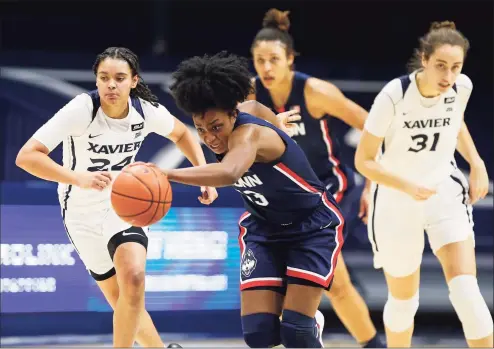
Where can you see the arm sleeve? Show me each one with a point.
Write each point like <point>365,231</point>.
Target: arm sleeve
<point>159,119</point>
<point>71,120</point>
<point>381,115</point>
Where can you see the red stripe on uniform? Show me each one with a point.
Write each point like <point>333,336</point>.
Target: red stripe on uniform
<point>338,196</point>
<point>296,178</point>
<point>242,232</point>
<point>256,283</point>
<point>316,278</point>
<point>342,180</point>
<point>339,233</point>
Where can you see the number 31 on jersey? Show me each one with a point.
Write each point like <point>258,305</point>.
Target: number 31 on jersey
<point>421,142</point>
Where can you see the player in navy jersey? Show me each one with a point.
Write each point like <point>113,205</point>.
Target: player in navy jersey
<point>280,88</point>
<point>292,232</point>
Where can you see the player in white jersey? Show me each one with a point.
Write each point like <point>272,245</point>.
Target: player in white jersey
<point>102,132</point>
<point>418,122</point>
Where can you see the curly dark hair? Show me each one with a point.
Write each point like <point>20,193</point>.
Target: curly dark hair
<point>220,82</point>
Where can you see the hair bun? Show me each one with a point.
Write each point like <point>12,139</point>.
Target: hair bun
<point>275,18</point>
<point>443,24</point>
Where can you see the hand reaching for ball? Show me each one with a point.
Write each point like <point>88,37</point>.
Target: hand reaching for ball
<point>141,194</point>
<point>208,194</point>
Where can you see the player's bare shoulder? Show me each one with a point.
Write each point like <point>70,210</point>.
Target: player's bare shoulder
<point>246,133</point>
<point>317,92</point>
<point>315,87</point>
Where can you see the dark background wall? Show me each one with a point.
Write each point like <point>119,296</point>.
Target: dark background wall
<point>369,34</point>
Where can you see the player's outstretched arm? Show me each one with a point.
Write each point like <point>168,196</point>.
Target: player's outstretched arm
<point>165,124</point>
<point>242,144</point>
<point>185,140</point>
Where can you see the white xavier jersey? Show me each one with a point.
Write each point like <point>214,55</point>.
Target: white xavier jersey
<point>420,134</point>
<point>100,143</point>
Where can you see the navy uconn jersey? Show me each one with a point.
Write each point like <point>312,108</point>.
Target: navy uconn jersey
<point>313,135</point>
<point>283,191</point>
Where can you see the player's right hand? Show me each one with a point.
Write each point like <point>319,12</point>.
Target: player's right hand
<point>94,180</point>
<point>418,192</point>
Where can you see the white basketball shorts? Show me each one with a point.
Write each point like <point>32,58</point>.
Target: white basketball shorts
<point>397,223</point>
<point>94,236</point>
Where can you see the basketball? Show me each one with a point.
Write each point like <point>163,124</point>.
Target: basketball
<point>141,195</point>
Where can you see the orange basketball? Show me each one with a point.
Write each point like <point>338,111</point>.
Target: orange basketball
<point>141,195</point>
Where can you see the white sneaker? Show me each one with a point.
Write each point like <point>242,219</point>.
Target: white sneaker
<point>320,325</point>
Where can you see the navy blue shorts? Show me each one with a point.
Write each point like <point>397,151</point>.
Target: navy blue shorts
<point>339,183</point>
<point>348,201</point>
<point>303,253</point>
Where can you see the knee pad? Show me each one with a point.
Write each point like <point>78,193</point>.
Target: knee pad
<point>470,306</point>
<point>299,331</point>
<point>261,330</point>
<point>398,314</point>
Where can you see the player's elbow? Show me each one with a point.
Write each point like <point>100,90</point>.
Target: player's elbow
<point>231,176</point>
<point>29,152</point>
<point>22,159</point>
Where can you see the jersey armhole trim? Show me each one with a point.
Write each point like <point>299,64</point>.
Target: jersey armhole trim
<point>96,103</point>
<point>136,103</point>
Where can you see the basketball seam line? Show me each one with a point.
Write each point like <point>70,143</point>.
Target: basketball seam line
<point>149,190</point>
<point>133,197</point>
<point>159,196</point>
<point>144,184</point>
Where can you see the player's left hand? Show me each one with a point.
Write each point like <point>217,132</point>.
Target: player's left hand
<point>209,194</point>
<point>479,182</point>
<point>364,205</point>
<point>285,120</point>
